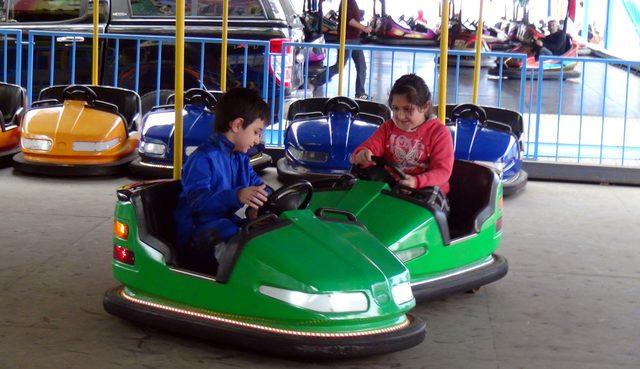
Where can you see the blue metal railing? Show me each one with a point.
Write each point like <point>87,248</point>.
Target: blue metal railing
<point>608,132</point>
<point>402,60</point>
<point>554,112</point>
<point>145,45</point>
<point>14,51</point>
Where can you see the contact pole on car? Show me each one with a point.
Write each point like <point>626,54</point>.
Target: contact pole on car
<point>343,40</point>
<point>94,46</point>
<point>478,59</point>
<point>223,55</point>
<point>179,89</point>
<point>444,59</point>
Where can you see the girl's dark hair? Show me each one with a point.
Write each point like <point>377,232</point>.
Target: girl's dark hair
<point>242,103</point>
<point>413,88</point>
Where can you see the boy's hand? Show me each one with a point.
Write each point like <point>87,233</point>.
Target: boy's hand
<point>362,158</point>
<point>410,181</point>
<point>253,196</point>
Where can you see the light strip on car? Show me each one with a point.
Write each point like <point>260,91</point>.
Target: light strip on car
<point>215,318</point>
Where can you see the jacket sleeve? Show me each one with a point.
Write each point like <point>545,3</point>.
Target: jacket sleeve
<point>440,161</point>
<point>201,187</point>
<point>377,141</point>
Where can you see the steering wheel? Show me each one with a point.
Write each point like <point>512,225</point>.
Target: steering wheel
<point>192,95</point>
<point>295,196</point>
<point>469,111</point>
<point>79,92</point>
<point>341,104</point>
<point>382,171</point>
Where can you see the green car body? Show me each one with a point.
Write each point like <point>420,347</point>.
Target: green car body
<point>440,258</point>
<point>254,300</point>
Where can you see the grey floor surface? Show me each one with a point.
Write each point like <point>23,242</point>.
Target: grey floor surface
<point>571,298</point>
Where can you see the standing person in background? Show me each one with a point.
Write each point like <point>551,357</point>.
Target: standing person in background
<point>353,31</point>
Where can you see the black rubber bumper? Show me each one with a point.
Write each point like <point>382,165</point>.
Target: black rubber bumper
<point>287,173</point>
<point>276,343</point>
<point>6,155</point>
<point>516,184</point>
<point>461,281</point>
<point>68,170</point>
<point>143,169</point>
<point>515,73</point>
<point>411,42</point>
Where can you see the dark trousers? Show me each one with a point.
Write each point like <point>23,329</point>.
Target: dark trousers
<point>361,68</point>
<point>543,51</point>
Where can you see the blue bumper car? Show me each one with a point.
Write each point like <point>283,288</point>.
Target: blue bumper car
<point>322,133</point>
<point>492,137</point>
<point>156,144</point>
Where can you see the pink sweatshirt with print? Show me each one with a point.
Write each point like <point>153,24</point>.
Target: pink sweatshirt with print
<point>426,152</point>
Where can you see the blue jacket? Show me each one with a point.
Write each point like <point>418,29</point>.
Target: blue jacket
<point>211,178</point>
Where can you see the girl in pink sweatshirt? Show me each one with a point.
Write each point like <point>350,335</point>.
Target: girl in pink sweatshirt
<point>413,139</point>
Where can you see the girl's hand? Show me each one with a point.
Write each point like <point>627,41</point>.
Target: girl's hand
<point>410,181</point>
<point>362,158</point>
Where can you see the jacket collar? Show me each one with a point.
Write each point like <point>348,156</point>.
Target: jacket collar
<point>221,141</point>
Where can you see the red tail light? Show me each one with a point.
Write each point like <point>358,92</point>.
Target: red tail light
<point>123,255</point>
<point>275,45</point>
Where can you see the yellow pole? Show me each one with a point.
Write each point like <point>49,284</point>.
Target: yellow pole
<point>444,59</point>
<point>178,89</point>
<point>223,61</point>
<point>478,60</point>
<point>343,40</point>
<point>94,51</point>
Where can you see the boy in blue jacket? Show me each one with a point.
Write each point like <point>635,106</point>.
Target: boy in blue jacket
<point>217,180</point>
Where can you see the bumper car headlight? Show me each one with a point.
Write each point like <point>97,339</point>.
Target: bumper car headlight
<point>95,146</point>
<point>402,293</point>
<point>41,144</point>
<point>309,156</point>
<point>153,148</point>
<point>410,254</point>
<point>336,302</point>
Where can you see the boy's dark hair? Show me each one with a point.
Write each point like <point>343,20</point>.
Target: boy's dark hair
<point>242,103</point>
<point>413,88</point>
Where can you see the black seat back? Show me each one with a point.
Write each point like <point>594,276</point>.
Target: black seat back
<point>511,118</point>
<point>472,197</point>
<point>370,111</point>
<point>127,101</point>
<point>12,99</point>
<point>158,203</point>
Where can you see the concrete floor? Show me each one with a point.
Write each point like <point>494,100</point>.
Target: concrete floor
<point>570,300</point>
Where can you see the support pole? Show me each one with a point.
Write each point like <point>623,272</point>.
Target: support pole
<point>478,61</point>
<point>94,47</point>
<point>223,60</point>
<point>178,89</point>
<point>444,60</point>
<point>343,40</point>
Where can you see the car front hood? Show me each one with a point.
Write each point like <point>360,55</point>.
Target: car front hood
<point>313,255</point>
<point>478,143</point>
<point>338,135</point>
<point>71,122</point>
<point>197,127</point>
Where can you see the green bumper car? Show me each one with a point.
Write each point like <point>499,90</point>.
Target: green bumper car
<point>444,253</point>
<point>291,283</point>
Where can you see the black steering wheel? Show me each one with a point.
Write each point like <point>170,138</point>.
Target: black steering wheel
<point>199,95</point>
<point>79,92</point>
<point>341,104</point>
<point>469,111</point>
<point>295,196</point>
<point>382,171</point>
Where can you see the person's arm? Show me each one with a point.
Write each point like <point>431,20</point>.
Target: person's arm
<point>355,24</point>
<point>440,161</point>
<point>377,141</point>
<point>202,196</point>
